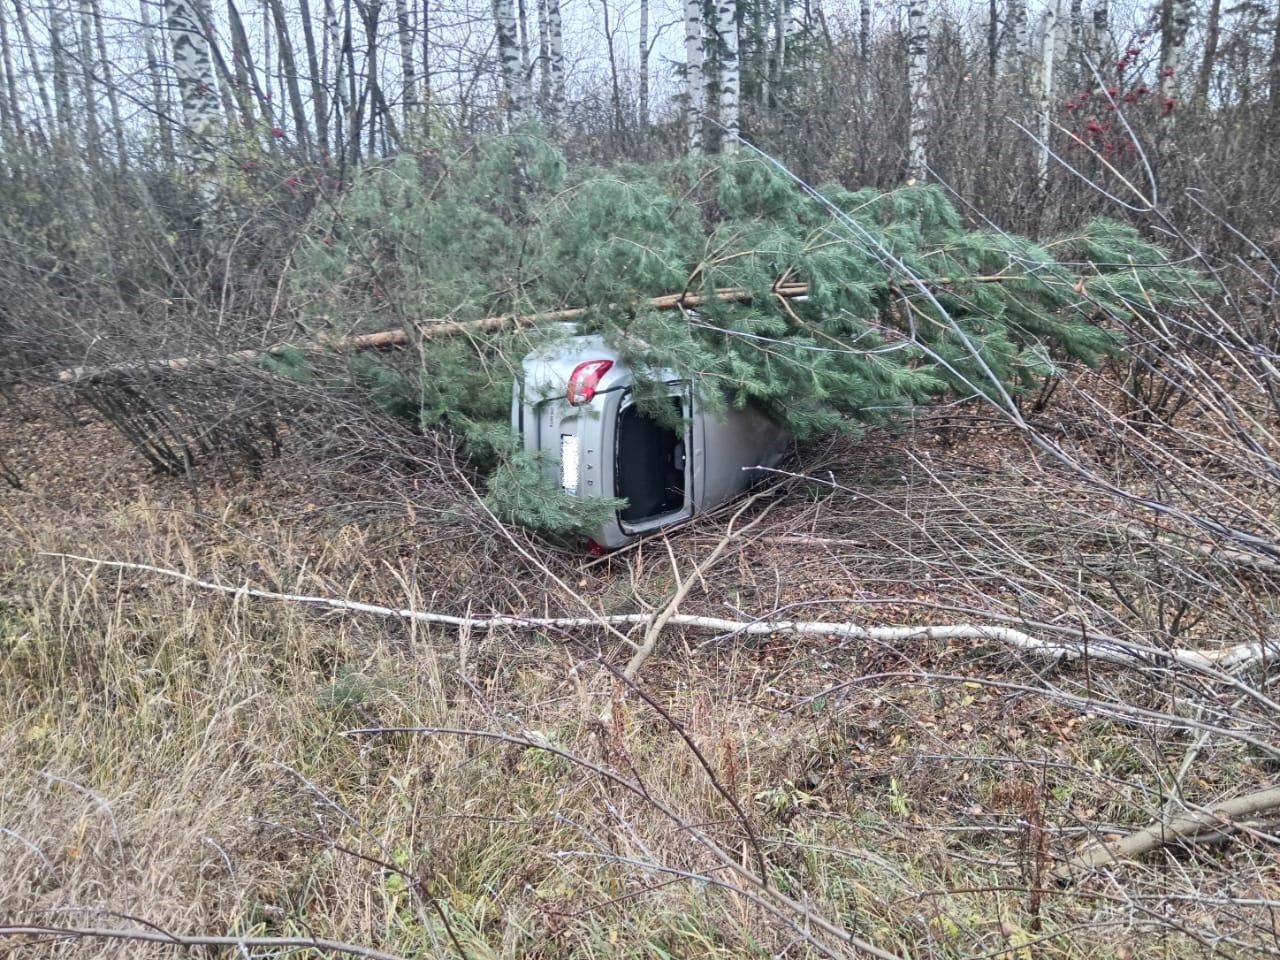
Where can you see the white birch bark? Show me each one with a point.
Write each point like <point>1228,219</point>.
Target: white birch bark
<point>1175,18</point>
<point>89,87</point>
<point>508,30</point>
<point>544,58</point>
<point>555,52</point>
<point>60,56</point>
<point>730,73</point>
<point>918,88</point>
<point>409,98</point>
<point>333,54</point>
<point>864,30</point>
<point>695,67</point>
<point>1016,22</point>
<point>161,103</point>
<point>644,64</point>
<point>197,85</point>
<point>33,66</point>
<point>10,105</point>
<point>1049,29</point>
<point>1102,45</point>
<point>780,10</point>
<point>104,75</point>
<point>526,62</point>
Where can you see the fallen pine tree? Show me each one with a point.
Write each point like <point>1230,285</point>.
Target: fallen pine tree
<point>829,309</point>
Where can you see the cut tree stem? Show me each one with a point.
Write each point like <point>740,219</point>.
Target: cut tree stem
<point>426,329</point>
<point>1209,821</point>
<point>1097,647</point>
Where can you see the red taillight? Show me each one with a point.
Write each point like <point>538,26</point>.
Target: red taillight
<point>594,548</point>
<point>584,380</point>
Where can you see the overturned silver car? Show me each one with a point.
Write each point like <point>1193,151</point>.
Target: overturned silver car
<point>574,403</point>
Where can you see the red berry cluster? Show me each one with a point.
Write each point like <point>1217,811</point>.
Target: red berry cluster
<point>1096,109</point>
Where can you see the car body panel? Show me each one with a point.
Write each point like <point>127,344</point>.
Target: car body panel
<point>617,449</point>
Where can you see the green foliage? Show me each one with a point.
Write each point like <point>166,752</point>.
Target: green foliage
<point>906,303</point>
<point>519,491</point>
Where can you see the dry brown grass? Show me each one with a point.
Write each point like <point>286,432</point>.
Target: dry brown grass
<point>181,760</point>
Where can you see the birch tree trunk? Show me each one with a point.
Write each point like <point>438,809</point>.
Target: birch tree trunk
<point>60,56</point>
<point>1175,17</point>
<point>1275,72</point>
<point>918,88</point>
<point>730,74</point>
<point>197,85</point>
<point>289,67</point>
<point>376,108</point>
<point>1211,26</point>
<point>864,31</point>
<point>11,124</point>
<point>509,58</point>
<point>1049,28</point>
<point>243,76</point>
<point>1016,21</point>
<point>89,88</point>
<point>108,84</point>
<point>526,56</point>
<point>1075,34</point>
<point>161,104</point>
<point>644,65</point>
<point>37,73</point>
<point>424,75</point>
<point>695,79</point>
<point>409,98</point>
<point>555,51</point>
<point>337,45</point>
<point>544,59</point>
<point>319,96</point>
<point>780,47</point>
<point>1102,49</point>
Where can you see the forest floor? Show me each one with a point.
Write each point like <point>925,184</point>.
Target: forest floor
<point>182,762</point>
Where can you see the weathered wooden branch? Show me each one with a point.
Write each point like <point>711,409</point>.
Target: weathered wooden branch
<point>1210,822</point>
<point>424,329</point>
<point>47,932</point>
<point>1095,647</point>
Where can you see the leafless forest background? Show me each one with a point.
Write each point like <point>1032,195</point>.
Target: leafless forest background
<point>998,683</point>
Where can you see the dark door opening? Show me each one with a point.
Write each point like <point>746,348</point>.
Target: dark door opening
<point>650,466</point>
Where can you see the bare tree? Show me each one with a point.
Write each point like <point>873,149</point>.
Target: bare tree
<point>160,103</point>
<point>1016,23</point>
<point>11,126</point>
<point>1102,46</point>
<point>60,55</point>
<point>289,67</point>
<point>513,76</point>
<point>197,85</point>
<point>1175,18</point>
<point>1275,71</point>
<point>1044,88</point>
<point>644,64</point>
<point>918,87</point>
<point>695,79</point>
<point>244,76</point>
<point>109,85</point>
<point>409,98</point>
<point>555,52</point>
<point>319,95</point>
<point>89,88</point>
<point>728,73</point>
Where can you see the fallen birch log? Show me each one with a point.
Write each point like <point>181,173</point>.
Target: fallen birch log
<point>1210,822</point>
<point>424,329</point>
<point>1099,648</point>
